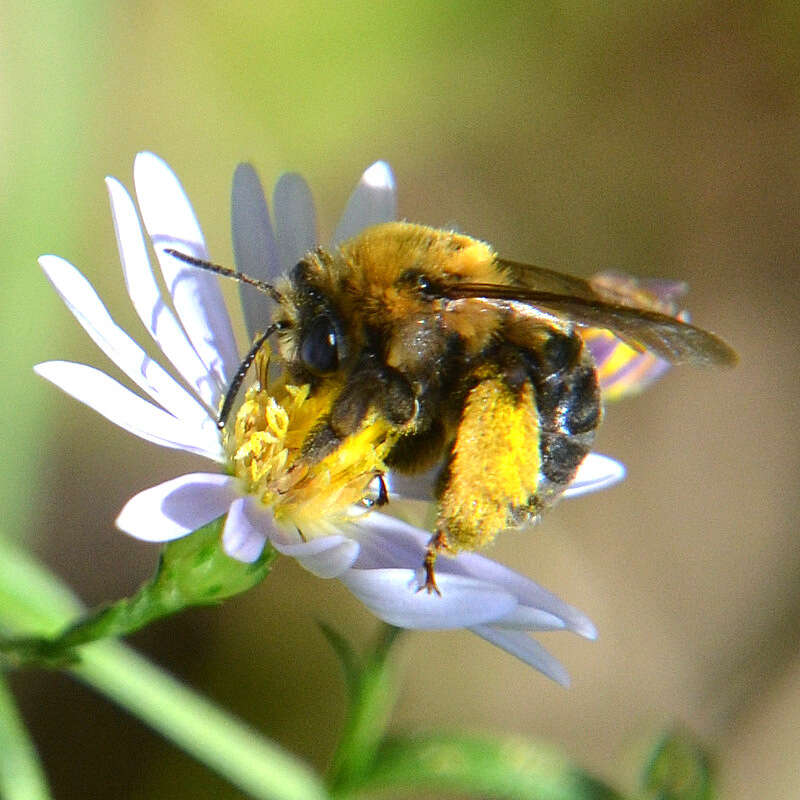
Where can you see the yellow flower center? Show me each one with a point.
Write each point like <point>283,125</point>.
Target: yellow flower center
<point>267,455</point>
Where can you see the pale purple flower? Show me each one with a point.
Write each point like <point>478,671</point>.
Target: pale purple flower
<point>374,554</point>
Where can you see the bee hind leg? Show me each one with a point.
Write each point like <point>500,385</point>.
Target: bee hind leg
<point>436,545</point>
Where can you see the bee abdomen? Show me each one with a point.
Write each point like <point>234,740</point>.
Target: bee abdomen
<point>569,408</point>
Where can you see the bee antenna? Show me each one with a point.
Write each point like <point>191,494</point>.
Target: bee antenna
<point>227,272</point>
<point>239,377</point>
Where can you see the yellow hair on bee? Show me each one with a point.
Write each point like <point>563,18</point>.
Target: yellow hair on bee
<point>376,260</point>
<point>385,252</point>
<point>495,465</point>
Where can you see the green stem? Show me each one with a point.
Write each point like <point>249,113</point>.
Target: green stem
<point>33,601</point>
<point>21,774</point>
<point>202,729</point>
<point>191,571</point>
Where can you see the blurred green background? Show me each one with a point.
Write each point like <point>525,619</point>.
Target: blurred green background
<point>659,139</point>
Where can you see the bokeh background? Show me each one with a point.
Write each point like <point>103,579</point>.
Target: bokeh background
<point>654,138</point>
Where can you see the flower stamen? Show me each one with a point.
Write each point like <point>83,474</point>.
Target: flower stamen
<point>268,455</point>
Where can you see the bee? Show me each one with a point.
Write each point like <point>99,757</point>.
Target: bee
<point>473,362</point>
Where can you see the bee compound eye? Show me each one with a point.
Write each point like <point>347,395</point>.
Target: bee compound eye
<point>318,350</point>
<point>417,281</point>
<point>423,284</point>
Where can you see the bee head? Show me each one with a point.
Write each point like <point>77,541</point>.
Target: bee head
<point>314,341</point>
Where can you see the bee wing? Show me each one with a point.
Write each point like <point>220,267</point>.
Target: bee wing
<point>548,280</point>
<point>643,328</point>
<point>617,288</point>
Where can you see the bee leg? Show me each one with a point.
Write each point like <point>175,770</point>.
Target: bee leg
<point>437,543</point>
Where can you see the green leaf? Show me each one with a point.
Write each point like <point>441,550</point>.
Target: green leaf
<point>21,775</point>
<point>373,692</point>
<point>30,596</point>
<point>348,658</point>
<point>481,766</point>
<point>192,571</point>
<point>678,769</point>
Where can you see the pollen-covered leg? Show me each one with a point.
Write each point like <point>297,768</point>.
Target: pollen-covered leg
<point>494,466</point>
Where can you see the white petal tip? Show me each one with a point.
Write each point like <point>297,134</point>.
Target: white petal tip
<point>246,549</point>
<point>526,649</point>
<point>49,262</point>
<point>177,507</point>
<point>378,176</point>
<point>243,536</point>
<point>587,630</point>
<point>595,473</point>
<point>49,370</point>
<point>146,158</point>
<point>152,173</point>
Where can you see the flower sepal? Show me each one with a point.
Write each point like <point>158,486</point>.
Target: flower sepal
<point>192,571</point>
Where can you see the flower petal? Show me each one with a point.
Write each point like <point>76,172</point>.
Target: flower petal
<point>524,618</point>
<point>621,370</point>
<point>177,507</point>
<point>327,557</point>
<point>526,649</point>
<point>394,596</point>
<point>595,472</point>
<point>126,409</point>
<point>81,299</point>
<point>295,219</point>
<point>389,542</point>
<point>254,246</point>
<point>374,200</point>
<point>243,536</point>
<point>170,222</point>
<point>529,593</point>
<point>145,293</point>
